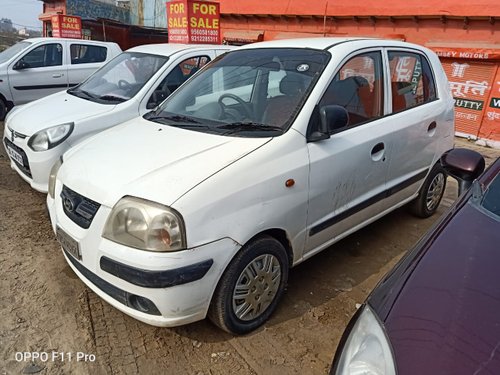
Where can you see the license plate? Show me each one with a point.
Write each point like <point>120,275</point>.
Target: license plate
<point>16,156</point>
<point>68,243</point>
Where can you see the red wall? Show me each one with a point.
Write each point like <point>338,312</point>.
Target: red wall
<point>418,31</point>
<point>485,8</point>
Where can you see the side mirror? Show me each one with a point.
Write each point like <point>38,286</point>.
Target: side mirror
<point>463,165</point>
<point>333,117</point>
<point>20,65</point>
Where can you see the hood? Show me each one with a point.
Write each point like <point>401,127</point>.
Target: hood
<point>55,109</point>
<point>446,317</point>
<point>148,160</point>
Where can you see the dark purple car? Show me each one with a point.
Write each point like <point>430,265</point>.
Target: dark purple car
<point>438,310</point>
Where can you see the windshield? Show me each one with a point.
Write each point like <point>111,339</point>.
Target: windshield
<point>491,198</point>
<point>250,93</point>
<point>13,50</point>
<point>120,79</point>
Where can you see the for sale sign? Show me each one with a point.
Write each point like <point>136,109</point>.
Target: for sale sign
<point>66,26</point>
<point>191,21</point>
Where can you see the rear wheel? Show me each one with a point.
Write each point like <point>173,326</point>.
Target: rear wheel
<point>431,193</point>
<point>251,286</point>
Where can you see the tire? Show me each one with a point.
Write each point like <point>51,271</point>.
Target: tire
<point>3,110</point>
<point>248,271</point>
<point>431,193</point>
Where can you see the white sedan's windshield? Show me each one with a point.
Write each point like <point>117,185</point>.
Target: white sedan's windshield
<point>120,79</point>
<point>13,50</point>
<point>251,93</point>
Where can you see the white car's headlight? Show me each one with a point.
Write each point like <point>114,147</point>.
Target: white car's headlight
<point>50,137</point>
<point>53,176</point>
<point>367,349</point>
<point>145,225</point>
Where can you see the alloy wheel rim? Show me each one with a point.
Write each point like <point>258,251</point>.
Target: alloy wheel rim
<point>435,191</point>
<point>256,287</point>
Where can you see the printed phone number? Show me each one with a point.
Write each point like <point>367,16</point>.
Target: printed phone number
<point>203,38</point>
<point>205,32</point>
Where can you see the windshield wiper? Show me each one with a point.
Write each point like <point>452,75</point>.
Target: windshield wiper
<point>180,121</point>
<point>170,118</point>
<point>82,93</point>
<point>180,118</point>
<point>249,126</point>
<point>112,98</point>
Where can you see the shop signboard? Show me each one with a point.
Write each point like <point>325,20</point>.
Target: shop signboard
<point>466,53</point>
<point>66,26</point>
<point>490,128</point>
<point>471,84</point>
<point>193,22</point>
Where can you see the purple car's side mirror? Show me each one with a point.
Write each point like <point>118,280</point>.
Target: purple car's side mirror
<point>463,165</point>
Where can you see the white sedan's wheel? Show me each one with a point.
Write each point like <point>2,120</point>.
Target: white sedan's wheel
<point>251,286</point>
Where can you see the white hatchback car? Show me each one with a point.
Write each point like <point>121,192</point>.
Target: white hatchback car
<point>136,81</point>
<point>268,156</point>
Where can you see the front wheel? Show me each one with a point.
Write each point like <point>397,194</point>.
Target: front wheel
<point>431,193</point>
<point>251,286</point>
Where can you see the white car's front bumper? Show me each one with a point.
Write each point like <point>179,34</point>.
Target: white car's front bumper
<point>161,289</point>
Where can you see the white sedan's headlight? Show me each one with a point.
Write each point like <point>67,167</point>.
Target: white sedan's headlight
<point>145,225</point>
<point>50,137</point>
<point>367,349</point>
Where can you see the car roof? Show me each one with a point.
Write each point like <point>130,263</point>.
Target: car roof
<point>43,39</point>
<point>323,43</point>
<point>168,49</point>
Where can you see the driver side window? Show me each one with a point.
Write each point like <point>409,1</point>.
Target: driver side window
<point>42,56</point>
<point>359,88</point>
<point>176,77</point>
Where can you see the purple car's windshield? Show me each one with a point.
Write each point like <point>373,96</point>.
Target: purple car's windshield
<point>491,199</point>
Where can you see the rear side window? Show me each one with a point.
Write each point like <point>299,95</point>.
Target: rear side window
<point>46,55</point>
<point>412,81</point>
<point>359,88</point>
<point>86,54</point>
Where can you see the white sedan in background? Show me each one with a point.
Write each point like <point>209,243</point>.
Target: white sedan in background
<point>136,81</point>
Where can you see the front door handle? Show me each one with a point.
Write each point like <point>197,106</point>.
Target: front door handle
<point>57,75</point>
<point>378,151</point>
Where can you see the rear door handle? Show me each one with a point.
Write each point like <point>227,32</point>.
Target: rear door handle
<point>432,126</point>
<point>378,151</point>
<point>57,75</point>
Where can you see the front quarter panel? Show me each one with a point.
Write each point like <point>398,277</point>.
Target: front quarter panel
<point>250,196</point>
